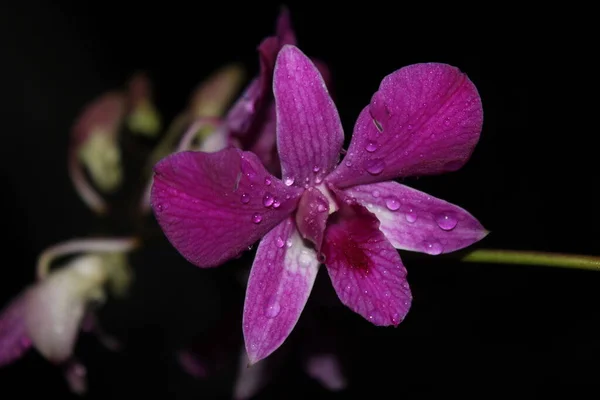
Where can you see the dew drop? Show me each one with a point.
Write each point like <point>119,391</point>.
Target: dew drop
<point>268,181</point>
<point>433,248</point>
<point>279,242</point>
<point>348,164</point>
<point>245,199</point>
<point>316,169</point>
<point>446,221</point>
<point>409,127</point>
<point>268,200</point>
<point>159,207</point>
<point>273,308</point>
<point>411,216</point>
<point>256,218</point>
<point>371,147</point>
<point>276,203</point>
<point>392,204</point>
<point>376,193</point>
<point>321,208</point>
<point>288,181</point>
<point>374,166</point>
<point>288,243</point>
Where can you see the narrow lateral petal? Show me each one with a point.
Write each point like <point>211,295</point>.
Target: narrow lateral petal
<point>413,220</point>
<point>212,206</point>
<point>326,369</point>
<point>312,215</point>
<point>13,334</point>
<point>424,120</point>
<point>309,131</point>
<point>365,269</point>
<point>280,282</point>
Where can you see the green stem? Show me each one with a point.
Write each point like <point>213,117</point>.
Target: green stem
<point>573,261</point>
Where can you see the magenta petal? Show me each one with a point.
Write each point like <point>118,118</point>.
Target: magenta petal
<point>14,340</point>
<point>311,216</point>
<point>285,32</point>
<point>365,269</point>
<point>212,206</point>
<point>280,282</point>
<point>425,119</point>
<point>309,131</point>
<point>413,220</point>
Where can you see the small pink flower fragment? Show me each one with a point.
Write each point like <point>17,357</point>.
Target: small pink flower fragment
<point>142,116</point>
<point>350,216</point>
<point>94,148</point>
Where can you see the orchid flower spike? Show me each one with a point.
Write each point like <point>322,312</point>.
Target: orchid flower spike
<point>94,148</point>
<point>142,118</point>
<point>424,119</point>
<point>49,314</point>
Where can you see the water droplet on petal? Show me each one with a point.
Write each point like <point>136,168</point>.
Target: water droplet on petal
<point>268,200</point>
<point>371,147</point>
<point>392,204</point>
<point>375,193</point>
<point>159,207</point>
<point>256,218</point>
<point>447,221</point>
<point>279,242</point>
<point>411,216</point>
<point>374,166</point>
<point>267,181</point>
<point>276,203</point>
<point>433,248</point>
<point>348,164</point>
<point>316,169</point>
<point>288,243</point>
<point>288,181</point>
<point>321,208</point>
<point>409,127</point>
<point>273,308</point>
<point>245,199</point>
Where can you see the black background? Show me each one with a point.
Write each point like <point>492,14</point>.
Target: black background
<point>474,330</point>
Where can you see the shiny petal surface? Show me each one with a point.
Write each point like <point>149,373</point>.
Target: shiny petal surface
<point>425,119</point>
<point>280,282</point>
<point>13,334</point>
<point>309,131</point>
<point>413,220</point>
<point>365,269</point>
<point>212,206</point>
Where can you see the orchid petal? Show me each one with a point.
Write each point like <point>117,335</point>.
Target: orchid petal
<point>424,120</point>
<point>309,130</point>
<point>326,369</point>
<point>312,215</point>
<point>264,145</point>
<point>366,271</point>
<point>413,220</point>
<point>13,333</point>
<point>56,306</point>
<point>76,376</point>
<point>284,31</point>
<point>280,282</point>
<point>250,379</point>
<point>212,206</point>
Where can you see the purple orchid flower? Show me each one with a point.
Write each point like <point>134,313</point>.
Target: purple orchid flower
<point>49,314</point>
<point>424,119</point>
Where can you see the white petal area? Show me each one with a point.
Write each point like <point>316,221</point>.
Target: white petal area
<point>56,306</point>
